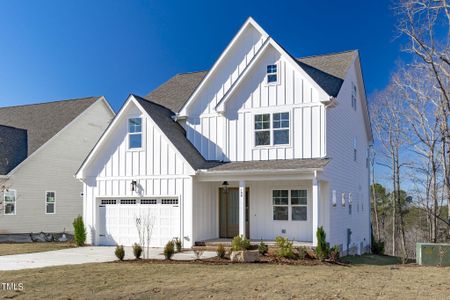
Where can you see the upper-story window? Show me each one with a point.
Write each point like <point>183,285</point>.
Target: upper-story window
<point>272,74</point>
<point>354,95</point>
<point>272,129</point>
<point>50,200</point>
<point>134,133</point>
<point>9,198</point>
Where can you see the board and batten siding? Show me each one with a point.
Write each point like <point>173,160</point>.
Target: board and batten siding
<point>52,168</point>
<point>230,136</point>
<point>160,171</point>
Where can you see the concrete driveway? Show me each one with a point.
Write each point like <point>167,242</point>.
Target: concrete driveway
<point>83,255</point>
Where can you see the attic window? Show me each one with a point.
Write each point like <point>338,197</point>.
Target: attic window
<point>272,74</point>
<point>134,133</point>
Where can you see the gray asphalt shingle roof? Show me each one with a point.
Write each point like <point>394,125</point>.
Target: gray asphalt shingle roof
<point>327,70</point>
<point>13,148</point>
<point>282,164</point>
<point>42,121</point>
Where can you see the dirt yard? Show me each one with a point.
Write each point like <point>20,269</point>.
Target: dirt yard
<point>20,248</point>
<point>135,280</point>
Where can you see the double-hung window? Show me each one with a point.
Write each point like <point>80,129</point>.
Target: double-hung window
<point>262,129</point>
<point>9,202</point>
<point>272,129</point>
<point>293,203</point>
<point>134,133</point>
<point>354,95</point>
<point>50,202</point>
<point>272,74</point>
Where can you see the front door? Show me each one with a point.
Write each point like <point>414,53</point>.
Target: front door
<point>229,212</point>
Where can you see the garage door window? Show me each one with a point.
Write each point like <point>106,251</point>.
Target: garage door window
<point>128,201</point>
<point>108,201</point>
<point>148,201</point>
<point>169,201</point>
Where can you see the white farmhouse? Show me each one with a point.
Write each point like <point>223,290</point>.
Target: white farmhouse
<point>41,147</point>
<point>262,145</point>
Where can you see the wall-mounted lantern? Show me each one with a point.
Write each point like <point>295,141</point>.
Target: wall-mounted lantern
<point>225,186</point>
<point>133,185</point>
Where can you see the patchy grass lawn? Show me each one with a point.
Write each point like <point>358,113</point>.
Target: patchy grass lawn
<point>135,280</point>
<point>375,260</point>
<point>21,248</point>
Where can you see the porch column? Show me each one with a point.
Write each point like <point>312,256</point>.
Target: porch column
<point>316,207</point>
<point>242,208</point>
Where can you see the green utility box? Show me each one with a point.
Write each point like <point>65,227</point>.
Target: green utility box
<point>429,254</point>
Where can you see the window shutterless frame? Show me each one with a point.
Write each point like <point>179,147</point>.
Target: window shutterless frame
<point>10,198</point>
<point>279,121</point>
<point>300,196</point>
<point>272,74</point>
<point>50,200</point>
<point>135,133</point>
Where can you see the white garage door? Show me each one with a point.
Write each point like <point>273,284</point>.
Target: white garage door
<point>119,219</point>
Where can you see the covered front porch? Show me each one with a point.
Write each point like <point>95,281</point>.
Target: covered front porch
<point>260,205</point>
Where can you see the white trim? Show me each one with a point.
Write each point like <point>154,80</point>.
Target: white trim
<point>15,202</point>
<point>57,135</point>
<point>250,21</point>
<point>54,203</point>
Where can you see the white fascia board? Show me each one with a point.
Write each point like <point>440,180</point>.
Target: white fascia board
<point>220,107</point>
<point>79,174</point>
<point>363,96</point>
<point>249,22</point>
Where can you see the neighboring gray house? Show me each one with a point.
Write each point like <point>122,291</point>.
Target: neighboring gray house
<point>41,147</point>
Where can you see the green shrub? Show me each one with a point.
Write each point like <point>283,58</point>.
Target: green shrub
<point>263,248</point>
<point>334,253</point>
<point>284,247</point>
<point>322,249</point>
<point>79,231</point>
<point>137,250</point>
<point>169,250</point>
<point>302,252</point>
<point>220,251</point>
<point>120,252</point>
<point>377,247</point>
<point>178,245</point>
<point>240,243</point>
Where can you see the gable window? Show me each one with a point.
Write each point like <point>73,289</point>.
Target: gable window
<point>50,202</point>
<point>272,74</point>
<point>9,202</point>
<point>134,133</point>
<point>281,128</point>
<point>280,201</point>
<point>353,96</point>
<point>299,205</point>
<point>292,203</point>
<point>272,129</point>
<point>262,129</point>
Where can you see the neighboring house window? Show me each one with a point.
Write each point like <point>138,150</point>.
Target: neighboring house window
<point>272,133</point>
<point>354,94</point>
<point>280,201</point>
<point>343,199</point>
<point>50,202</point>
<point>9,202</point>
<point>262,129</point>
<point>299,205</point>
<point>293,203</point>
<point>272,74</point>
<point>350,202</point>
<point>354,149</point>
<point>333,199</point>
<point>135,133</point>
<point>280,128</point>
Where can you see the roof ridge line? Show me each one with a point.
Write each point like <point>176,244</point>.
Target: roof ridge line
<point>327,54</point>
<point>50,102</point>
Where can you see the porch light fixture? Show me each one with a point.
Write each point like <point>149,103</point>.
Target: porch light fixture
<point>225,185</point>
<point>133,185</point>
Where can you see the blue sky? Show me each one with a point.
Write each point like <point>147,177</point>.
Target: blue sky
<point>54,50</point>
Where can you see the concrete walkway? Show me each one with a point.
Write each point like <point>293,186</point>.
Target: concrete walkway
<point>83,255</point>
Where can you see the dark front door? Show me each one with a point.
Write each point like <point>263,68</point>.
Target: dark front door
<point>229,212</point>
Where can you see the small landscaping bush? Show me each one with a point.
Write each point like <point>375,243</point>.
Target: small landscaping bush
<point>285,248</point>
<point>137,250</point>
<point>240,243</point>
<point>178,245</point>
<point>79,231</point>
<point>322,249</point>
<point>263,248</point>
<point>334,253</point>
<point>169,250</point>
<point>120,252</point>
<point>220,251</point>
<point>302,252</point>
<point>377,246</point>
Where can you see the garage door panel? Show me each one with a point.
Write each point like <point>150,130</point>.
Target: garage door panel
<point>117,224</point>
